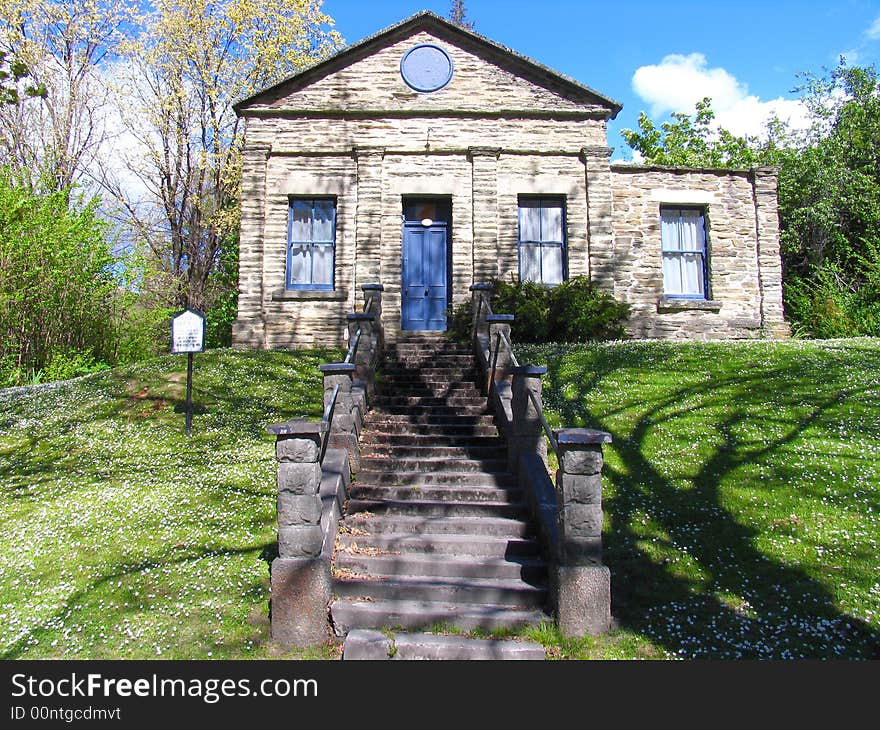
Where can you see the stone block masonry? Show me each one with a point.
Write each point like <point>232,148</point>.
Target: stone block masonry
<point>502,129</point>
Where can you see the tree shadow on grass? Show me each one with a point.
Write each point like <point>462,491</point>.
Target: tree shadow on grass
<point>686,570</point>
<point>124,570</point>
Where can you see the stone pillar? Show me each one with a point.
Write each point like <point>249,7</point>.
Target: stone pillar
<point>600,238</point>
<point>300,575</point>
<point>765,184</point>
<point>364,356</point>
<point>368,226</point>
<point>481,296</point>
<point>526,435</point>
<point>344,426</point>
<point>499,324</point>
<point>249,329</point>
<point>484,181</point>
<point>373,299</point>
<point>581,584</point>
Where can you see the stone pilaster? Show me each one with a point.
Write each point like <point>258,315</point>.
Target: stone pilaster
<point>300,575</point>
<point>249,328</point>
<point>344,426</point>
<point>766,187</point>
<point>484,185</point>
<point>365,355</point>
<point>526,433</point>
<point>600,237</point>
<point>581,584</point>
<point>368,226</point>
<point>499,352</point>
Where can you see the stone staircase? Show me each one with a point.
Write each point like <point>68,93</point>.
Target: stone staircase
<point>436,529</point>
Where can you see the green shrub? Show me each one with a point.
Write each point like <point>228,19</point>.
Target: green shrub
<point>579,312</point>
<point>574,311</point>
<point>825,306</point>
<point>459,320</point>
<point>64,365</point>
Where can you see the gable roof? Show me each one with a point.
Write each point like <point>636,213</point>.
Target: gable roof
<point>426,20</point>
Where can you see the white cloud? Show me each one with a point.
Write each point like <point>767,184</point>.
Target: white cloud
<point>679,81</point>
<point>873,32</point>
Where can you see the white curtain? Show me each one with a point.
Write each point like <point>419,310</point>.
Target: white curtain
<point>683,239</point>
<point>530,220</point>
<point>530,262</point>
<point>298,271</point>
<point>541,240</point>
<point>322,264</point>
<point>551,257</point>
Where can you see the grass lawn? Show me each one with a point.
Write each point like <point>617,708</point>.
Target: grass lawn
<point>121,537</point>
<point>742,494</point>
<point>742,501</point>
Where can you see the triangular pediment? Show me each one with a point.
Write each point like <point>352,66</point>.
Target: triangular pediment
<point>369,77</point>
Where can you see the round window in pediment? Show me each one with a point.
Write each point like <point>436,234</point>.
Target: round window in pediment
<point>426,67</point>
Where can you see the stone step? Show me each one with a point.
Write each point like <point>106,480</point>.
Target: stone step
<point>370,524</point>
<point>510,593</point>
<point>429,509</point>
<point>424,615</point>
<point>413,478</point>
<point>419,381</point>
<point>373,439</point>
<point>532,570</point>
<point>432,402</point>
<point>427,451</point>
<point>441,544</point>
<point>445,345</point>
<point>392,372</point>
<point>369,645</point>
<point>375,429</point>
<point>431,465</point>
<point>436,493</point>
<point>416,411</point>
<point>433,362</point>
<point>429,417</point>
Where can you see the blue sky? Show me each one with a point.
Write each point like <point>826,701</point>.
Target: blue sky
<point>662,56</point>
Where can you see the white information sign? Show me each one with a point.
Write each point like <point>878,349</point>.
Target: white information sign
<point>188,332</point>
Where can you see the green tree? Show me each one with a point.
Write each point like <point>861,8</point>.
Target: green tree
<point>697,142</point>
<point>830,207</point>
<point>829,193</point>
<point>458,15</point>
<point>192,59</point>
<point>12,71</point>
<point>57,283</point>
<point>66,47</point>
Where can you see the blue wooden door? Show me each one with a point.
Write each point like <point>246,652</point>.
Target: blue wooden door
<point>423,289</point>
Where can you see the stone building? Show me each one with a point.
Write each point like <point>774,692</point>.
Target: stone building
<point>428,158</point>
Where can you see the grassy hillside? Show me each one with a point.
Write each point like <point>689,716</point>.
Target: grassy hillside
<point>742,493</point>
<point>742,501</point>
<point>123,538</point>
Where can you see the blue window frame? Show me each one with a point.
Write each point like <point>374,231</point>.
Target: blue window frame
<point>683,246</point>
<point>541,240</point>
<point>311,243</point>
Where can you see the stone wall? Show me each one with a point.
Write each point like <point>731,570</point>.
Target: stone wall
<point>483,80</point>
<point>360,135</point>
<point>743,252</point>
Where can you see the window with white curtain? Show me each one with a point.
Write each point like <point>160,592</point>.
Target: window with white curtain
<point>311,240</point>
<point>683,239</point>
<point>542,240</point>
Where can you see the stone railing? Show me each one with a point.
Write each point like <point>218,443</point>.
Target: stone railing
<point>569,514</point>
<point>315,459</point>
